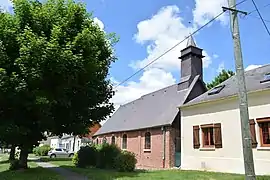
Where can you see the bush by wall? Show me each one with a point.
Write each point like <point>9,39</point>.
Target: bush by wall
<point>106,155</point>
<point>42,150</point>
<point>125,161</point>
<point>86,156</point>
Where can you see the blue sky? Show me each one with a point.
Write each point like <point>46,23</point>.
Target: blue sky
<point>148,28</point>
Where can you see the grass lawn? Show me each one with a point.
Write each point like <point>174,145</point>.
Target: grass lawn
<point>98,174</point>
<point>33,173</point>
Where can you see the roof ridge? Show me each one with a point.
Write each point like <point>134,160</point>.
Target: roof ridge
<point>150,94</point>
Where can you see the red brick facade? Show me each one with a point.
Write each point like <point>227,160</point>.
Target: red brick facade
<point>152,158</point>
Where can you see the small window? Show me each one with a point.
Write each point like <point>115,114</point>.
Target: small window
<point>97,141</point>
<point>216,90</point>
<point>211,136</point>
<point>266,78</point>
<point>208,136</point>
<point>113,140</point>
<point>58,149</point>
<point>264,124</point>
<point>104,140</point>
<point>124,141</point>
<point>147,142</point>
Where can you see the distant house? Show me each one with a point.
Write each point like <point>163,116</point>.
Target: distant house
<point>150,125</point>
<point>211,132</point>
<point>70,142</point>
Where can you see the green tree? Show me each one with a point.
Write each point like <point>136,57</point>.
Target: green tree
<point>54,62</point>
<point>221,77</point>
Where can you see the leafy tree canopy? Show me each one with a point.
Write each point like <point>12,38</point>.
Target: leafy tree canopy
<point>221,77</point>
<point>54,62</point>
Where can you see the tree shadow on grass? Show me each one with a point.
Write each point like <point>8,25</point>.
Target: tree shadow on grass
<point>47,159</point>
<point>103,174</point>
<point>33,173</point>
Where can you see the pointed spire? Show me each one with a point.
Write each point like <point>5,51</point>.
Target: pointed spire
<point>191,42</point>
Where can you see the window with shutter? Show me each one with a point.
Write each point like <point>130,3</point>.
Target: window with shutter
<point>196,138</point>
<point>253,133</point>
<point>264,125</point>
<point>211,135</point>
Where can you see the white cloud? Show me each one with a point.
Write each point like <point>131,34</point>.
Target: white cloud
<point>215,56</point>
<point>252,66</point>
<point>160,38</point>
<point>151,80</point>
<point>205,10</point>
<point>5,5</point>
<point>99,23</point>
<point>221,66</point>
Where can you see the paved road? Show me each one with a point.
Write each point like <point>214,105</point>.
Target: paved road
<point>67,174</point>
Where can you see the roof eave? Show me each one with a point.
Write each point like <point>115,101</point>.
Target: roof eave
<point>111,132</point>
<point>220,99</point>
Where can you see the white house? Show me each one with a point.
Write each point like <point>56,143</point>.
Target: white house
<point>67,142</point>
<point>210,126</point>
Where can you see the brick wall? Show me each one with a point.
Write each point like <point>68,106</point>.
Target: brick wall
<point>154,157</point>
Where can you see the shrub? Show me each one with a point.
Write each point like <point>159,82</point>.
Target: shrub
<point>75,159</point>
<point>125,161</point>
<point>35,149</point>
<point>86,156</point>
<point>106,155</point>
<point>42,150</point>
<point>14,165</point>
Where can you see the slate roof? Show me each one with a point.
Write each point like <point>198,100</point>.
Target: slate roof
<point>252,77</point>
<point>152,110</point>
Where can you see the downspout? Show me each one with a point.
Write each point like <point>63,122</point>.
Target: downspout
<point>164,145</point>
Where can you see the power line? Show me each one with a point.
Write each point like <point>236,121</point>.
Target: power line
<point>154,60</point>
<point>256,9</point>
<point>260,16</point>
<point>266,20</point>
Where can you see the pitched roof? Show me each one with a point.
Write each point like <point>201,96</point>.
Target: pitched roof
<point>152,110</point>
<point>253,83</point>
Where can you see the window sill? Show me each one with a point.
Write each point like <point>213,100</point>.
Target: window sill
<point>146,150</point>
<point>207,149</point>
<point>263,148</point>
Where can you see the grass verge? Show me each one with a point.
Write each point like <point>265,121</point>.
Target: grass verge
<point>33,173</point>
<point>100,174</point>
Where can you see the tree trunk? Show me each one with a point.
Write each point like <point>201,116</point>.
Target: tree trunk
<point>23,158</point>
<point>12,153</point>
<point>74,141</point>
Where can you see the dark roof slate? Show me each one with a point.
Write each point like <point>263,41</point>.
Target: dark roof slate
<point>152,110</point>
<point>252,77</point>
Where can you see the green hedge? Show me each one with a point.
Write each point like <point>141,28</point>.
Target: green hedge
<point>86,156</point>
<point>42,150</point>
<point>125,161</point>
<point>105,156</point>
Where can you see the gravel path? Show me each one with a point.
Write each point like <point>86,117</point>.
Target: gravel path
<point>67,174</point>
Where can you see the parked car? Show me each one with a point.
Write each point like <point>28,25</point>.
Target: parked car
<point>60,153</point>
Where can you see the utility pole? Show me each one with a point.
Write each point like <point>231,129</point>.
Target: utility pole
<point>242,92</point>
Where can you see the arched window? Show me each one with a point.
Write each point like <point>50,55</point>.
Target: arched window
<point>104,140</point>
<point>147,140</point>
<point>97,141</point>
<point>113,140</point>
<point>124,141</point>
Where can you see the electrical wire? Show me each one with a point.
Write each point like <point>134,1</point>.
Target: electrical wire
<point>261,17</point>
<point>194,32</point>
<point>256,9</point>
<point>266,20</point>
